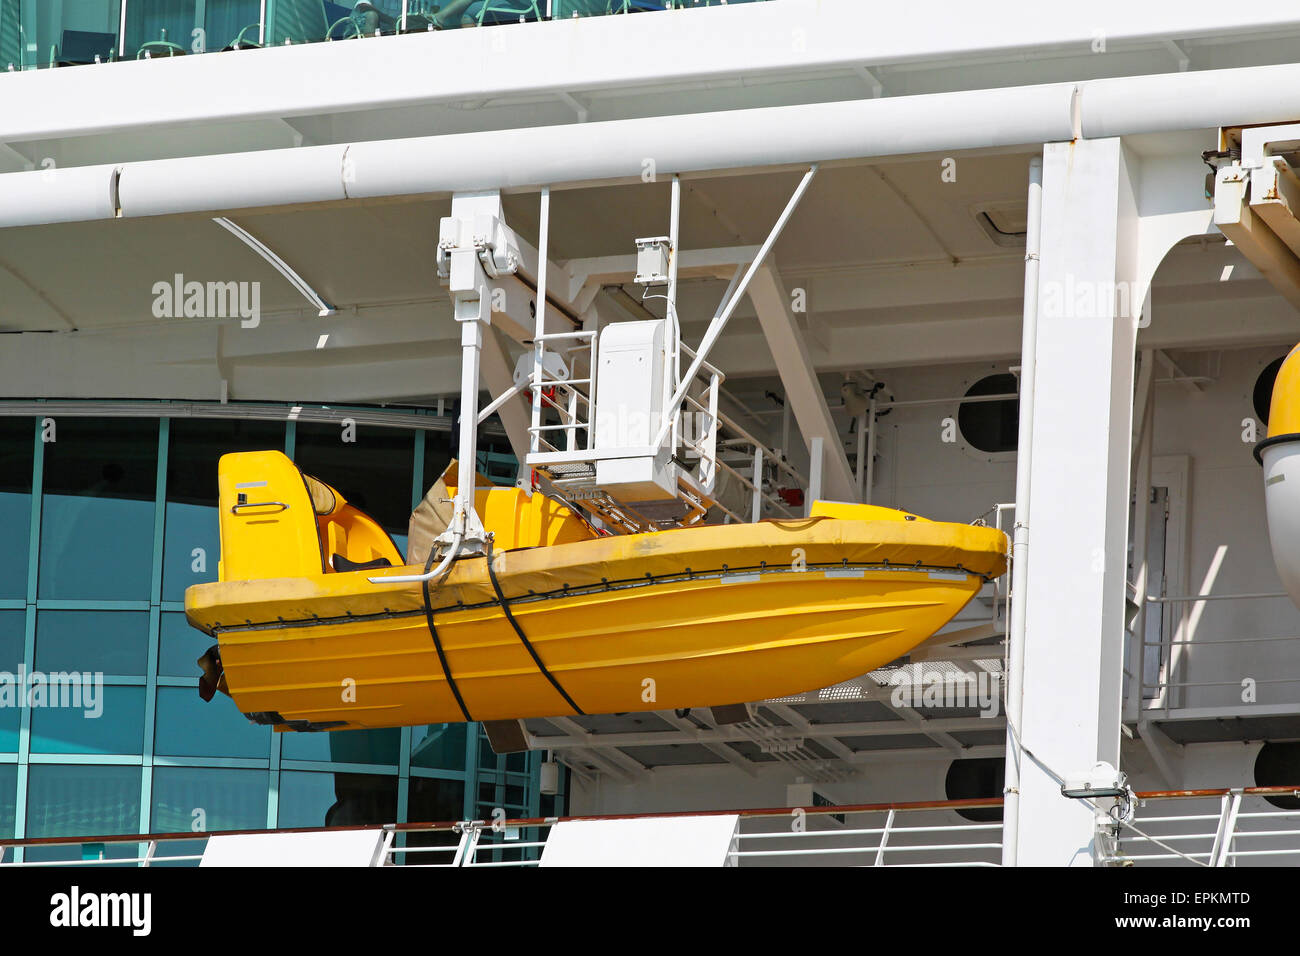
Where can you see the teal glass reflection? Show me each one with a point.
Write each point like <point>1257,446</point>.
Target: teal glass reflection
<point>39,34</point>
<point>373,472</point>
<point>183,27</point>
<point>81,800</point>
<point>309,21</point>
<point>106,642</point>
<point>208,798</point>
<point>180,646</point>
<point>97,511</point>
<point>187,726</point>
<point>109,720</point>
<point>344,746</point>
<point>432,800</point>
<point>191,542</point>
<point>13,625</point>
<point>8,802</point>
<point>17,438</point>
<point>309,799</point>
<point>439,746</point>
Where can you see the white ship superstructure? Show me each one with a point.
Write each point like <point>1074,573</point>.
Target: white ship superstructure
<point>1000,264</point>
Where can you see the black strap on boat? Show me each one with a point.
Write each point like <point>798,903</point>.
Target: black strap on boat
<point>433,631</point>
<point>537,659</point>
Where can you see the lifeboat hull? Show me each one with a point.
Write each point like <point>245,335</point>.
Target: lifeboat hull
<point>687,618</point>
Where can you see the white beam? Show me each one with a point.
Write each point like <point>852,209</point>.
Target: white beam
<point>799,376</point>
<point>1076,580</point>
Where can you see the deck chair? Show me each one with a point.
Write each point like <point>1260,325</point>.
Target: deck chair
<point>79,47</point>
<point>241,41</point>
<point>160,47</point>
<point>308,21</point>
<point>507,11</point>
<point>636,6</point>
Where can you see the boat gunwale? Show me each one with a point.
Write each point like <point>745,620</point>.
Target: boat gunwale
<point>623,584</point>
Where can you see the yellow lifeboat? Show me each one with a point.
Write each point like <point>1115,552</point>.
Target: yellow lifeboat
<point>557,619</point>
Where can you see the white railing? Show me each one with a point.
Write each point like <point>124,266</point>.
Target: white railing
<point>574,405</point>
<point>1212,828</point>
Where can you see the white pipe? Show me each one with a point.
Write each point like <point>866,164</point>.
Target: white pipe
<point>539,330</point>
<point>719,323</point>
<point>457,537</point>
<point>674,352</point>
<point>525,159</point>
<point>1020,534</point>
<point>578,154</point>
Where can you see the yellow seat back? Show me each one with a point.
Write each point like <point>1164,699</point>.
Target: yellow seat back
<point>268,526</point>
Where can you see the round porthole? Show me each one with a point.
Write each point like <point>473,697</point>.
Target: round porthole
<point>993,426</point>
<point>1278,765</point>
<point>976,779</point>
<point>1263,394</point>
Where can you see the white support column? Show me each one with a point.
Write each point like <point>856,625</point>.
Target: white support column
<point>803,391</point>
<point>1076,580</point>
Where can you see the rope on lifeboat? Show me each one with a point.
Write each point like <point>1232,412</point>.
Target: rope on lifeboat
<point>437,641</point>
<point>537,659</point>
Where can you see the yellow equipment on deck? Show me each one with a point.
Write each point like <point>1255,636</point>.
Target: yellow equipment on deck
<point>558,619</point>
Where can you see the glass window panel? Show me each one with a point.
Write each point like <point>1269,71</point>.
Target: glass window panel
<point>8,803</point>
<point>187,726</point>
<point>110,720</point>
<point>13,624</point>
<point>194,447</point>
<point>97,513</point>
<point>433,801</point>
<point>181,27</point>
<point>373,473</point>
<point>495,459</point>
<point>438,746</point>
<point>44,34</point>
<point>82,800</point>
<point>12,627</point>
<point>227,799</point>
<point>107,642</point>
<point>336,799</point>
<point>307,21</point>
<point>344,746</point>
<point>17,436</point>
<point>180,646</point>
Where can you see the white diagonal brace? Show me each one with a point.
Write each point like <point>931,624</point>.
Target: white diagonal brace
<point>802,388</point>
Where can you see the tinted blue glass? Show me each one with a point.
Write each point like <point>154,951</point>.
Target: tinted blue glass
<point>82,800</point>
<point>208,799</point>
<point>97,512</point>
<point>191,545</point>
<point>109,642</point>
<point>8,800</point>
<point>109,720</point>
<point>438,746</point>
<point>38,33</point>
<point>182,27</point>
<point>336,799</point>
<point>12,626</point>
<point>17,436</point>
<point>373,472</point>
<point>347,746</point>
<point>180,646</point>
<point>189,727</point>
